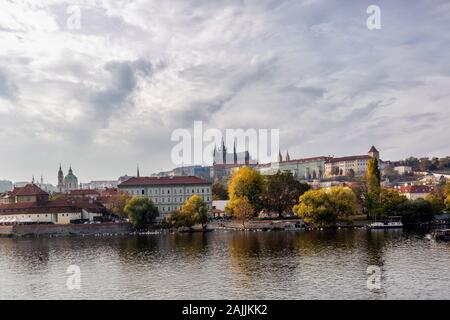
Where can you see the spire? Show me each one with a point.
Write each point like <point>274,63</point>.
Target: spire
<point>288,157</point>
<point>235,157</point>
<point>138,175</point>
<point>32,181</point>
<point>280,157</point>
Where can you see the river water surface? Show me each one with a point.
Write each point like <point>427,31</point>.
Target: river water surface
<point>330,264</point>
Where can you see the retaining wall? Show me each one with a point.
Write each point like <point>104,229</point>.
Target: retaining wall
<point>65,229</point>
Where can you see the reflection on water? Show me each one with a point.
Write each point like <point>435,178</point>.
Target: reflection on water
<point>228,265</point>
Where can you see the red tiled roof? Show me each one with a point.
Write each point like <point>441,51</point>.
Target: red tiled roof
<point>30,190</point>
<point>83,192</point>
<point>149,181</point>
<point>56,206</point>
<point>349,158</point>
<point>415,189</point>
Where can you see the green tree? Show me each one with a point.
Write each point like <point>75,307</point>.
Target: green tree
<point>390,201</point>
<point>246,182</point>
<point>436,201</point>
<point>282,191</point>
<point>194,211</point>
<point>219,191</point>
<point>140,211</point>
<point>325,207</point>
<point>351,173</point>
<point>372,198</point>
<point>447,203</point>
<point>416,211</point>
<point>243,209</point>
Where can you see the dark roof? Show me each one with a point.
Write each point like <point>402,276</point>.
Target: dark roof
<point>350,158</point>
<point>83,192</point>
<point>323,158</point>
<point>31,190</point>
<point>373,149</point>
<point>149,181</point>
<point>56,206</point>
<point>415,189</point>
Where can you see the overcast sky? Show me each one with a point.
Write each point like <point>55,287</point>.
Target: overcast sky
<point>108,95</point>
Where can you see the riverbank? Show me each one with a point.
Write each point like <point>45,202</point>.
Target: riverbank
<point>64,229</point>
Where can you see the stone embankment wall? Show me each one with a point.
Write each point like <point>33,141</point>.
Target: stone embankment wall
<point>65,229</point>
<point>254,224</point>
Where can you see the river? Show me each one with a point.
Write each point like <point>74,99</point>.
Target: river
<point>327,264</point>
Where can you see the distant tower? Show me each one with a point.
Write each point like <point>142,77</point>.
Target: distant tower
<point>280,156</point>
<point>235,157</point>
<point>60,179</point>
<point>374,153</point>
<point>137,171</point>
<point>32,180</point>
<point>288,157</point>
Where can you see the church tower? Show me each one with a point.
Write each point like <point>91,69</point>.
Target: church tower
<point>60,180</point>
<point>288,157</point>
<point>374,153</point>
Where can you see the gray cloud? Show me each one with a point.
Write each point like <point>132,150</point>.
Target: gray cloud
<point>108,95</point>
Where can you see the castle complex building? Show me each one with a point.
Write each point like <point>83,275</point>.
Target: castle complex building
<point>67,183</point>
<point>351,165</point>
<point>302,169</point>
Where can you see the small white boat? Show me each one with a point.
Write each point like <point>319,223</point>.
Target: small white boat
<point>391,223</point>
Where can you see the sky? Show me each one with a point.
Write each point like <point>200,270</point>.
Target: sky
<point>108,95</point>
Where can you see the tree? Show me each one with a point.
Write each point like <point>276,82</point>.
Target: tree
<point>335,171</point>
<point>372,199</point>
<point>325,207</point>
<point>390,201</point>
<point>436,201</point>
<point>118,203</point>
<point>351,173</point>
<point>413,163</point>
<point>447,203</point>
<point>447,189</point>
<point>416,211</point>
<point>342,202</point>
<point>194,210</point>
<point>243,209</point>
<point>219,191</point>
<point>282,191</point>
<point>246,182</point>
<point>140,211</point>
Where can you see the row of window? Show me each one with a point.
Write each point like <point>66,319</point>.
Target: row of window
<point>167,191</point>
<point>167,209</point>
<point>175,199</point>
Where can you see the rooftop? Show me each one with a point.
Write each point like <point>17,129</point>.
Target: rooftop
<point>172,180</point>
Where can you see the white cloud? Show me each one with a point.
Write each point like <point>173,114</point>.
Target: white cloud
<point>107,96</point>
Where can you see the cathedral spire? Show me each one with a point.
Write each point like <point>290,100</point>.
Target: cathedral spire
<point>288,157</point>
<point>137,172</point>
<point>280,156</point>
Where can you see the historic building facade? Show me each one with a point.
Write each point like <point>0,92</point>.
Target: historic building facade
<point>168,193</point>
<point>306,169</point>
<point>351,165</point>
<point>68,182</point>
<point>31,204</point>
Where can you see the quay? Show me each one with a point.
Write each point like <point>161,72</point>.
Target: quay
<point>36,230</point>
